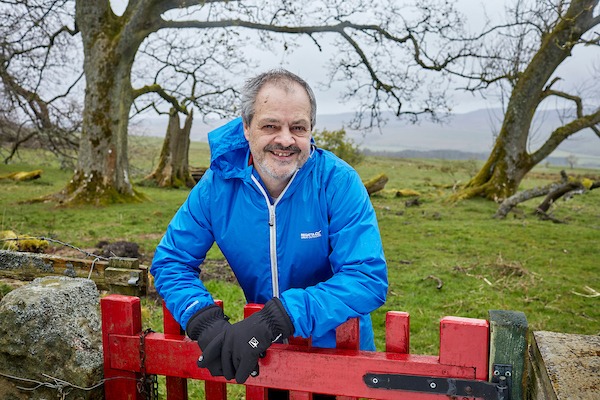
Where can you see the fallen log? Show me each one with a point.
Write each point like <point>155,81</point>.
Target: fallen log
<point>22,176</point>
<point>553,192</point>
<point>376,184</point>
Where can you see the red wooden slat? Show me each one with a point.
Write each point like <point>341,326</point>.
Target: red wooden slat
<point>215,390</point>
<point>120,315</point>
<point>254,392</point>
<point>347,336</point>
<point>176,387</point>
<point>397,332</point>
<point>298,395</point>
<point>465,342</point>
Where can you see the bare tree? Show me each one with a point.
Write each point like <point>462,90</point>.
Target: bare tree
<point>532,47</point>
<point>36,108</point>
<point>187,69</point>
<point>571,160</point>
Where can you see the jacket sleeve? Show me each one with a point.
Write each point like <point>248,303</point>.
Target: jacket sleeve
<point>359,282</point>
<point>177,259</point>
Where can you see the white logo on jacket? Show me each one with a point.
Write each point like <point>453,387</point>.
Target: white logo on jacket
<point>310,235</point>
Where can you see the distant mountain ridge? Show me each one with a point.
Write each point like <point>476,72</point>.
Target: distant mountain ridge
<point>463,136</point>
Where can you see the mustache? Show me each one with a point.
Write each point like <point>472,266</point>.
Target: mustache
<point>275,147</point>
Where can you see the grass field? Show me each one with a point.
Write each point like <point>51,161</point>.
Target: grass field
<point>520,263</point>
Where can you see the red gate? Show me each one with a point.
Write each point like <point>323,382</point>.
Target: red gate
<point>345,371</point>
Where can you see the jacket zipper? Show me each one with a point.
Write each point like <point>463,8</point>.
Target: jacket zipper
<point>273,231</point>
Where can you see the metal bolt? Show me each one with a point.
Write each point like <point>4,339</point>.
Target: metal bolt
<point>375,380</point>
<point>433,385</point>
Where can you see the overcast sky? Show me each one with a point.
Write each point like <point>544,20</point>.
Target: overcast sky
<point>311,64</point>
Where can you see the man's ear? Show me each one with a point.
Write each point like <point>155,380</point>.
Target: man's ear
<point>246,131</point>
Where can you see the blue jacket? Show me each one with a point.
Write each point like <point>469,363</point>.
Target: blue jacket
<point>317,247</point>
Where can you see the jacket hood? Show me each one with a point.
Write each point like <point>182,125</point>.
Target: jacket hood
<point>229,150</point>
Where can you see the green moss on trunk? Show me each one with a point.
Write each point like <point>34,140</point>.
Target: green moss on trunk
<point>92,190</point>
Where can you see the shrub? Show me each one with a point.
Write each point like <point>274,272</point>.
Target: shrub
<point>339,144</point>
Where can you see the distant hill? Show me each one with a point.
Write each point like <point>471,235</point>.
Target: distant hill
<point>462,136</point>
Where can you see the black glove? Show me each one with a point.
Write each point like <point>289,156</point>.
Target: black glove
<point>239,347</point>
<point>204,326</point>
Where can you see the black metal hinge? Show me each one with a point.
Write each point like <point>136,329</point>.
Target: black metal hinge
<point>447,386</point>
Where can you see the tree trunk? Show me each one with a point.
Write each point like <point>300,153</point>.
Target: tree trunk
<point>109,44</point>
<point>509,160</point>
<point>502,173</point>
<point>173,167</point>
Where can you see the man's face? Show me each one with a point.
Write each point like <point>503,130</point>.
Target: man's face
<point>279,134</point>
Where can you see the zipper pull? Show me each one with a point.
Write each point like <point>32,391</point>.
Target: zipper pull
<point>271,215</point>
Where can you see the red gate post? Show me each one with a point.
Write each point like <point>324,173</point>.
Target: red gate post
<point>121,315</point>
<point>176,387</point>
<point>464,342</point>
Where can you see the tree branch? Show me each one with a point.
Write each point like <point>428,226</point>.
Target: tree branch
<point>576,99</point>
<point>155,88</point>
<point>563,132</point>
<point>338,28</point>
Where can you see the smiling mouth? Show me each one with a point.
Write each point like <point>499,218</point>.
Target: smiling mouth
<point>282,153</point>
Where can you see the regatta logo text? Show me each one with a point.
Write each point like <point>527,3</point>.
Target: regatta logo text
<point>310,235</point>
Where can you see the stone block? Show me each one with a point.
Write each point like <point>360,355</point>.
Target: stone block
<point>51,340</point>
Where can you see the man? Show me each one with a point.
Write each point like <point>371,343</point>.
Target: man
<point>295,223</point>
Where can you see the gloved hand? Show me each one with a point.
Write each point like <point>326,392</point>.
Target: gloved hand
<point>204,326</point>
<point>239,347</point>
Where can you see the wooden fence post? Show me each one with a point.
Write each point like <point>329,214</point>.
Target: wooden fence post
<point>121,315</point>
<point>508,347</point>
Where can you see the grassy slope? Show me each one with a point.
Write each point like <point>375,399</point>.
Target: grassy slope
<point>520,263</point>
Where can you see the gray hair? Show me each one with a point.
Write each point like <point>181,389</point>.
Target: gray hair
<point>279,77</point>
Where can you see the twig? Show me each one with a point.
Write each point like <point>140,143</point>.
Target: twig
<point>438,280</point>
<point>547,217</point>
<point>59,384</point>
<point>593,293</point>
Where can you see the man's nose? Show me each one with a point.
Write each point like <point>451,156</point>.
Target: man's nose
<point>285,137</point>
